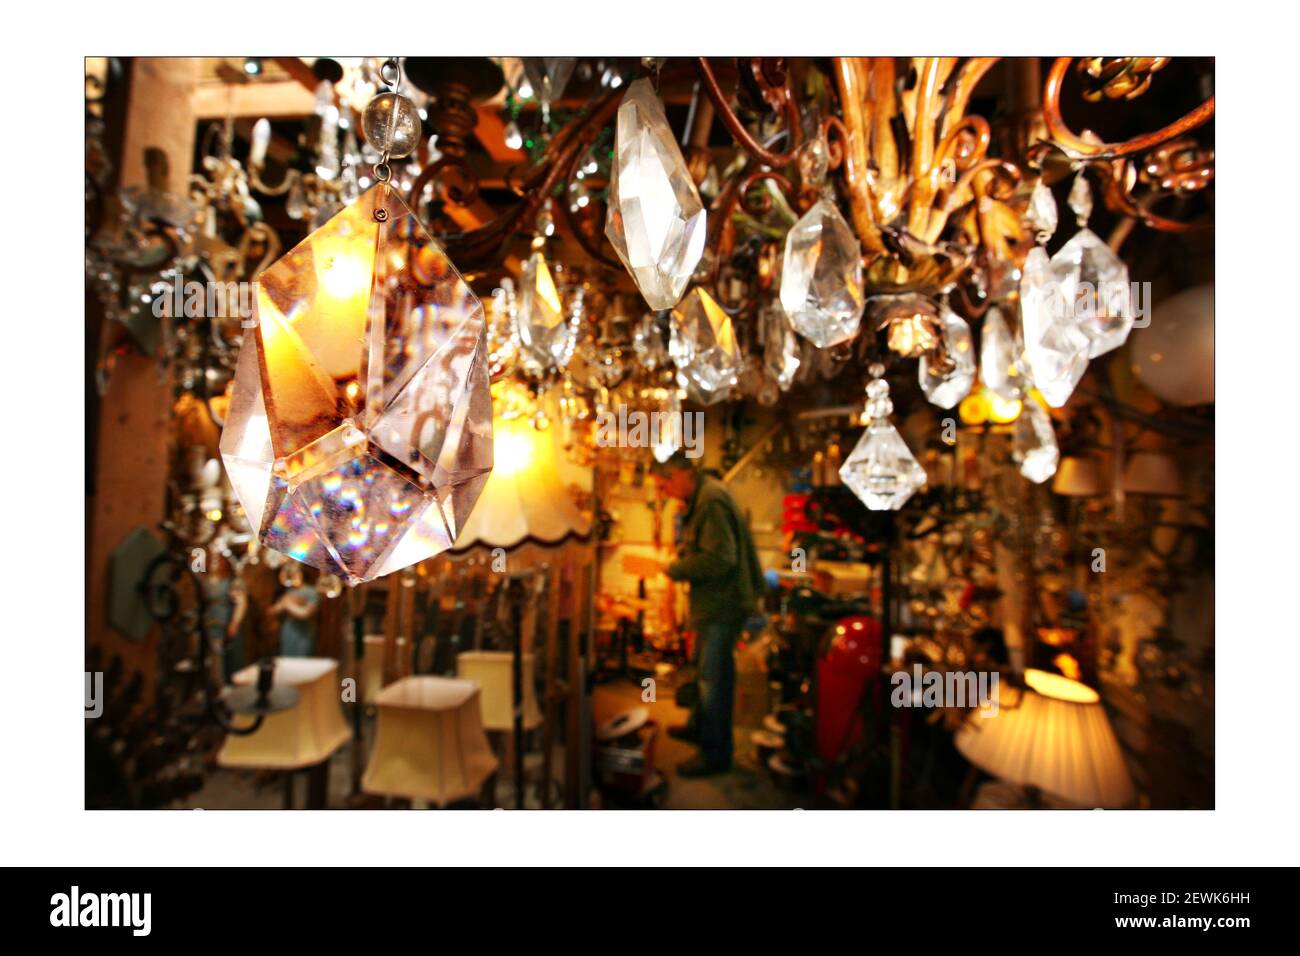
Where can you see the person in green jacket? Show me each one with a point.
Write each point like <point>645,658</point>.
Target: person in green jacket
<point>716,556</point>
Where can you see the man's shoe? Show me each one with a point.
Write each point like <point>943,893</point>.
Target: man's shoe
<point>699,767</point>
<point>684,732</point>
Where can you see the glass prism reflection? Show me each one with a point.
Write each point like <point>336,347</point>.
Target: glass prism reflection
<point>947,387</point>
<point>359,434</point>
<point>702,344</point>
<point>881,470</point>
<point>821,277</point>
<point>656,222</point>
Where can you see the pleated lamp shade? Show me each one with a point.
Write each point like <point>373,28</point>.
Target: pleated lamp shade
<point>1152,473</point>
<point>302,736</point>
<point>1058,739</point>
<point>493,672</point>
<point>429,741</point>
<point>524,499</point>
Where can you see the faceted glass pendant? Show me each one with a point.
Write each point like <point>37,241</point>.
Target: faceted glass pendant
<point>549,75</point>
<point>1041,214</point>
<point>359,434</point>
<point>881,470</point>
<point>821,281</point>
<point>702,344</point>
<point>1102,302</point>
<point>545,331</point>
<point>1035,443</point>
<point>656,222</point>
<point>781,351</point>
<point>947,387</point>
<point>1000,358</point>
<point>1056,347</point>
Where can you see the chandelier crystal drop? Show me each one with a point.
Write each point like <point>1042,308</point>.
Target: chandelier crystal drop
<point>545,330</point>
<point>1035,445</point>
<point>946,387</point>
<point>1056,346</point>
<point>821,278</point>
<point>881,469</point>
<point>1102,301</point>
<point>1000,358</point>
<point>703,347</point>
<point>656,222</point>
<point>359,434</point>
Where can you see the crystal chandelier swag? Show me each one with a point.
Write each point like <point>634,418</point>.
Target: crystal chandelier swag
<point>360,427</point>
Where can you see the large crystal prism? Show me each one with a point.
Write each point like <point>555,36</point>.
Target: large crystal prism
<point>1056,346</point>
<point>1034,444</point>
<point>544,329</point>
<point>946,387</point>
<point>881,470</point>
<point>821,279</point>
<point>702,344</point>
<point>1102,302</point>
<point>1000,358</point>
<point>359,433</point>
<point>656,222</point>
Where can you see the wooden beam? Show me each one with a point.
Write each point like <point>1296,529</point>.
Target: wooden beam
<point>272,99</point>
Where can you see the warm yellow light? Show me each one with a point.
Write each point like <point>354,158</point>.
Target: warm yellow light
<point>513,445</point>
<point>1060,688</point>
<point>974,409</point>
<point>1003,411</point>
<point>214,514</point>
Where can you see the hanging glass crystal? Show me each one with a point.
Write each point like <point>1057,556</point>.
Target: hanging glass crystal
<point>1034,445</point>
<point>549,75</point>
<point>947,379</point>
<point>703,347</point>
<point>881,469</point>
<point>1056,347</point>
<point>648,343</point>
<point>821,279</point>
<point>1102,302</point>
<point>545,331</point>
<point>1000,358</point>
<point>1041,214</point>
<point>359,434</point>
<point>781,351</point>
<point>656,222</point>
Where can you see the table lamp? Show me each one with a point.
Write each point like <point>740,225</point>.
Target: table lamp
<point>301,736</point>
<point>1057,740</point>
<point>493,672</point>
<point>429,741</point>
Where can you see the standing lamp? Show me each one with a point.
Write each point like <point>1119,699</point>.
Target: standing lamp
<point>429,741</point>
<point>493,672</point>
<point>304,735</point>
<point>1058,740</point>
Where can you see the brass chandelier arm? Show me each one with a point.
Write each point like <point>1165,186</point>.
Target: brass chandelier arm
<point>1119,199</point>
<point>737,129</point>
<point>1078,148</point>
<point>854,143</point>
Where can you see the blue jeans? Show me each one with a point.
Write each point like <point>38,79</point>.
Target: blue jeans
<point>714,655</point>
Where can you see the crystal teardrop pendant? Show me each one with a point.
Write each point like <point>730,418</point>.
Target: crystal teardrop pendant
<point>1035,445</point>
<point>781,352</point>
<point>656,222</point>
<point>1102,302</point>
<point>702,344</point>
<point>821,278</point>
<point>1000,358</point>
<point>359,434</point>
<point>545,331</point>
<point>947,387</point>
<point>1056,347</point>
<point>881,469</point>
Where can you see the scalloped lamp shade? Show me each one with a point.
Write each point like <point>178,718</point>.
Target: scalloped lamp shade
<point>1058,739</point>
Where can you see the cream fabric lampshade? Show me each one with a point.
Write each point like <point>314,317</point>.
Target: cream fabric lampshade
<point>1152,473</point>
<point>493,672</point>
<point>429,741</point>
<point>302,736</point>
<point>1058,739</point>
<point>524,499</point>
<point>1078,478</point>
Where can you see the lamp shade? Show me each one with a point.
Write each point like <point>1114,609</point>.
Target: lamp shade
<point>494,673</point>
<point>429,741</point>
<point>1058,739</point>
<point>301,736</point>
<point>524,499</point>
<point>1152,473</point>
<point>1078,478</point>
